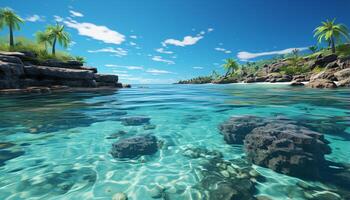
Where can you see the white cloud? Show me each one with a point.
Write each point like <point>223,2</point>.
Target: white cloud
<point>58,18</point>
<point>96,32</point>
<point>35,18</point>
<point>125,67</point>
<point>210,30</point>
<point>222,49</point>
<point>132,43</point>
<point>75,14</point>
<point>160,59</point>
<point>197,67</point>
<point>162,50</point>
<point>119,71</point>
<point>188,40</point>
<point>133,36</point>
<point>202,33</point>
<point>244,56</point>
<point>119,52</point>
<point>158,71</point>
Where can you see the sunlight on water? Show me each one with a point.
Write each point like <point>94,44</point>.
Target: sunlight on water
<point>58,146</point>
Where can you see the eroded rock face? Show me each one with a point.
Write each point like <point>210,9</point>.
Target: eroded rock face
<point>342,74</point>
<point>322,61</point>
<point>344,83</point>
<point>57,73</point>
<point>225,80</point>
<point>135,146</point>
<point>10,73</point>
<point>321,83</point>
<point>288,149</point>
<point>235,129</point>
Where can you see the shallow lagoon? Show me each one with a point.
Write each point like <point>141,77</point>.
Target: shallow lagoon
<point>57,146</point>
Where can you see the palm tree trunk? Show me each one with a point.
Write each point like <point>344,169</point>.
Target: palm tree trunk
<point>11,36</point>
<point>333,45</point>
<point>53,46</point>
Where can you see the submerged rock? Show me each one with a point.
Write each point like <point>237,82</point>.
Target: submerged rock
<point>135,120</point>
<point>236,128</point>
<point>135,146</point>
<point>288,149</point>
<point>119,196</point>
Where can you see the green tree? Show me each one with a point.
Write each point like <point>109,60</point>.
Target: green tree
<point>43,37</point>
<point>57,34</point>
<point>313,49</point>
<point>331,32</point>
<point>295,53</point>
<point>230,66</point>
<point>9,18</point>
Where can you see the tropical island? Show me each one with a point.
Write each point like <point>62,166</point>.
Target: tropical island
<point>68,132</point>
<point>28,67</point>
<point>321,68</point>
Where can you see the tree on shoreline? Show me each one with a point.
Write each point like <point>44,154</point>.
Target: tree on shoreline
<point>57,34</point>
<point>8,17</point>
<point>231,66</point>
<point>43,37</point>
<point>331,32</point>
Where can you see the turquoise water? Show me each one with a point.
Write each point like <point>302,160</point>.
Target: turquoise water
<point>57,147</point>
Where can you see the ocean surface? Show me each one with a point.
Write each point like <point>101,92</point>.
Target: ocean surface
<point>57,146</point>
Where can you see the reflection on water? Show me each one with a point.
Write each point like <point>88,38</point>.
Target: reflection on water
<point>57,146</point>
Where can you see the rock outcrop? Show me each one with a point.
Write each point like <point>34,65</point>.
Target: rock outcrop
<point>321,83</point>
<point>135,146</point>
<point>288,149</point>
<point>21,72</point>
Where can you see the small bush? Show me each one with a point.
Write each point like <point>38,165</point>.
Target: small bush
<point>294,70</point>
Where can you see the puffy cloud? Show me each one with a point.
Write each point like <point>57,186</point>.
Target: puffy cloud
<point>101,33</point>
<point>222,49</point>
<point>133,36</point>
<point>75,14</point>
<point>35,18</point>
<point>188,40</point>
<point>162,50</point>
<point>119,52</point>
<point>160,59</point>
<point>244,56</point>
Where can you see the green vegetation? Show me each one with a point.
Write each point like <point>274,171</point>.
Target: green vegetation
<point>44,39</point>
<point>57,33</point>
<point>10,19</point>
<point>230,66</point>
<point>331,33</point>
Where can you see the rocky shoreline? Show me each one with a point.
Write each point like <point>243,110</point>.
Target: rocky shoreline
<point>334,72</point>
<point>23,73</point>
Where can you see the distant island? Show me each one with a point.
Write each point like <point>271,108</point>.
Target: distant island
<point>28,67</point>
<point>322,68</point>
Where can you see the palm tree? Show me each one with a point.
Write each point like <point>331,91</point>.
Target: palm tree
<point>57,33</point>
<point>8,17</point>
<point>231,66</point>
<point>331,32</point>
<point>43,37</point>
<point>295,53</point>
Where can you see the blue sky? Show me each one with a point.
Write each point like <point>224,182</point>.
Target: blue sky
<point>162,41</point>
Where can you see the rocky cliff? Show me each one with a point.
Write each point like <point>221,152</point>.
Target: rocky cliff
<point>23,73</point>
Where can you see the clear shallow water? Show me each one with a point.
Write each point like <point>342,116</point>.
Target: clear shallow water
<point>60,148</point>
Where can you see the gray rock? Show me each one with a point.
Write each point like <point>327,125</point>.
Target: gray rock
<point>344,83</point>
<point>342,74</point>
<point>57,73</point>
<point>71,64</point>
<point>107,78</point>
<point>321,83</point>
<point>322,61</point>
<point>236,128</point>
<point>288,149</point>
<point>135,146</point>
<point>10,73</point>
<point>297,83</point>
